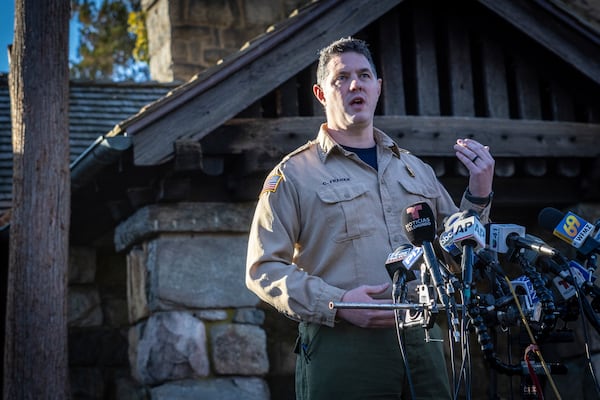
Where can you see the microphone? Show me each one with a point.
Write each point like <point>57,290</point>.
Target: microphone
<point>419,224</point>
<point>572,273</point>
<point>446,239</point>
<point>399,264</point>
<point>572,229</point>
<point>505,237</point>
<point>532,303</point>
<point>468,233</point>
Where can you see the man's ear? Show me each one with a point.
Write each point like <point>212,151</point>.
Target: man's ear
<point>318,92</point>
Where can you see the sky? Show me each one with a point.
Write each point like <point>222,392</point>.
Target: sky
<point>7,11</point>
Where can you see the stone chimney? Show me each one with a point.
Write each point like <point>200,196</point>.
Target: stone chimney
<point>188,36</point>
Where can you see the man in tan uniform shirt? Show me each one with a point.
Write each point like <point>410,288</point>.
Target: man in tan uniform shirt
<point>327,218</point>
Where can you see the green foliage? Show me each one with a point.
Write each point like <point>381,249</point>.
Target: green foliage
<point>113,41</point>
<point>137,27</point>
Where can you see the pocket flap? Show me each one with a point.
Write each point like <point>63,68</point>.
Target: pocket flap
<point>418,188</point>
<point>336,193</point>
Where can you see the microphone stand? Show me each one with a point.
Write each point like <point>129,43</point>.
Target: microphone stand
<point>466,265</point>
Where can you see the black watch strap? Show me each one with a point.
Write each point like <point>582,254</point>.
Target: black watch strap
<point>480,201</point>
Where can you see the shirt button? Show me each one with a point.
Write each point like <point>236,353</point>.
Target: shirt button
<point>389,209</point>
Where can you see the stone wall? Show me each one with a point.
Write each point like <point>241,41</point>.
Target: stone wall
<point>188,36</point>
<point>98,326</point>
<point>196,329</point>
<point>169,316</point>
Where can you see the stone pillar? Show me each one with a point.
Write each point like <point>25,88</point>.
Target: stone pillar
<point>195,327</point>
<point>187,36</point>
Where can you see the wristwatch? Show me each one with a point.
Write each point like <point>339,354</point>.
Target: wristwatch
<point>480,201</point>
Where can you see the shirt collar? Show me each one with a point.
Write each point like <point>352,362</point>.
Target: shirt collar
<point>327,144</point>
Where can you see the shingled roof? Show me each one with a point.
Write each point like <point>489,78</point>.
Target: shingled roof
<point>94,109</point>
<point>294,44</point>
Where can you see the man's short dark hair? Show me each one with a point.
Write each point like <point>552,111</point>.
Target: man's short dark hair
<point>343,45</point>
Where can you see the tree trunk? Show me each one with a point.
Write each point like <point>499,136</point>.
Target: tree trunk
<point>35,359</point>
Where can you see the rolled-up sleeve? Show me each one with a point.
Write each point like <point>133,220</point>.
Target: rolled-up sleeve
<point>270,269</point>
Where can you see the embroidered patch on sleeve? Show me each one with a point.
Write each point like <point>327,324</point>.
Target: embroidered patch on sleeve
<point>271,183</point>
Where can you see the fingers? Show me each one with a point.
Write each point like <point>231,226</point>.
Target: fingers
<point>363,293</point>
<point>472,153</point>
<point>376,289</point>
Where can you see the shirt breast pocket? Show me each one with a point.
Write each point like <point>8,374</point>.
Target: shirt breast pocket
<point>417,191</point>
<point>346,209</point>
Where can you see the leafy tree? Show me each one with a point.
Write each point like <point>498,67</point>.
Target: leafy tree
<point>113,40</point>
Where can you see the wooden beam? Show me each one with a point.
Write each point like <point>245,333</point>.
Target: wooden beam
<point>203,105</point>
<point>188,155</point>
<point>390,40</point>
<point>460,73</point>
<point>424,136</point>
<point>426,71</point>
<point>573,48</point>
<point>495,87</point>
<point>527,87</point>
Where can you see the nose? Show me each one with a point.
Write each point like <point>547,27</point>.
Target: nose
<point>355,84</point>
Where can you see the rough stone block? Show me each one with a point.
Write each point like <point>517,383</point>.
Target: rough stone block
<point>210,315</point>
<point>252,316</point>
<point>197,272</point>
<point>137,298</point>
<point>82,264</point>
<point>181,218</point>
<point>262,13</point>
<point>169,346</point>
<point>114,309</point>
<point>84,309</point>
<point>234,388</point>
<point>211,13</point>
<point>239,349</point>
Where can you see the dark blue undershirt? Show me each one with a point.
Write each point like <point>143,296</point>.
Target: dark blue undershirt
<point>368,155</point>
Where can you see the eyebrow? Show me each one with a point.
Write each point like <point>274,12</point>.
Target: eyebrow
<point>360,71</point>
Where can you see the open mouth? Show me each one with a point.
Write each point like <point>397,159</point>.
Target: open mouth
<point>357,101</point>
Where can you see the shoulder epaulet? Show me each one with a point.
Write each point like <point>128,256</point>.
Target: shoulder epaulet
<point>298,150</point>
<point>276,177</point>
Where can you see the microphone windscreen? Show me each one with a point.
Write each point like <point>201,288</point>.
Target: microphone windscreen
<point>419,223</point>
<point>549,218</point>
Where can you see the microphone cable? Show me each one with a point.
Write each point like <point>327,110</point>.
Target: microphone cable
<point>586,340</point>
<point>465,368</point>
<point>400,335</point>
<point>535,347</point>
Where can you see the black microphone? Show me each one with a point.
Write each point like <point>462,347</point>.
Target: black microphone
<point>419,224</point>
<point>506,237</point>
<point>572,229</point>
<point>468,234</point>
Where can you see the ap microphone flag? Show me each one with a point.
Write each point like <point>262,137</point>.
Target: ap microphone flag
<point>469,230</point>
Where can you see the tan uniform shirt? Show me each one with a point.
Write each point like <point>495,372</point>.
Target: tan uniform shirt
<point>326,221</point>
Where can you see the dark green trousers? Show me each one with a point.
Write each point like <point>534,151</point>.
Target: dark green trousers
<point>348,362</point>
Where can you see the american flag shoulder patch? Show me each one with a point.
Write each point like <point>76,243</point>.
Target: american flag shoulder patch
<point>271,183</point>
